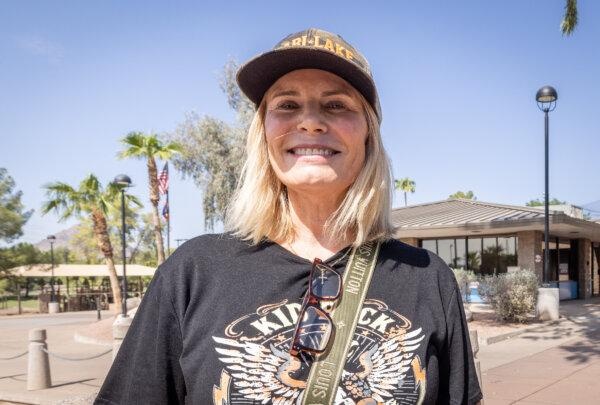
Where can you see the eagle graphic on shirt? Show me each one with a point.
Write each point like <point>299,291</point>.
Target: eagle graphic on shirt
<point>382,366</point>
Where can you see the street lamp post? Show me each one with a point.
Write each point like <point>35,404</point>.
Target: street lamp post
<point>52,239</point>
<point>124,182</point>
<point>546,100</point>
<point>548,295</point>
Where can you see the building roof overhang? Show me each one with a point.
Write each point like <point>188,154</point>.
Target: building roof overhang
<point>457,217</point>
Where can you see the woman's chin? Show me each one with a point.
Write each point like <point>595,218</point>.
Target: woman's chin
<point>317,185</point>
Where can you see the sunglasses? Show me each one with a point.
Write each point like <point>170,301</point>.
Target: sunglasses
<point>315,327</point>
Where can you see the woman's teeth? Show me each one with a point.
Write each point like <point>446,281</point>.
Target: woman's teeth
<point>312,151</point>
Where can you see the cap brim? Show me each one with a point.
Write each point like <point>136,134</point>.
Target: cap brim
<point>257,75</point>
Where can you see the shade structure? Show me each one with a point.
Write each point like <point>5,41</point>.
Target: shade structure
<point>79,270</point>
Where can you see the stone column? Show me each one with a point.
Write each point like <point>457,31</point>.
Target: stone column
<point>584,268</point>
<point>530,246</point>
<point>595,268</point>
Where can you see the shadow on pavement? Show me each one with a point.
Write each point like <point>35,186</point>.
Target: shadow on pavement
<point>585,323</point>
<point>13,376</point>
<point>72,382</point>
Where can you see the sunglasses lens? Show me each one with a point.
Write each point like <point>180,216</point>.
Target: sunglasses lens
<point>325,283</point>
<point>314,331</point>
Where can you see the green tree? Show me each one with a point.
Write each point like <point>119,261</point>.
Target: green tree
<point>21,254</point>
<point>213,151</point>
<point>461,194</point>
<point>91,200</point>
<point>537,202</point>
<point>141,146</point>
<point>12,214</point>
<point>406,185</point>
<point>569,21</point>
<point>84,245</point>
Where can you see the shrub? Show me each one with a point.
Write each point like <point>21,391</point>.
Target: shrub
<point>512,295</point>
<point>463,278</point>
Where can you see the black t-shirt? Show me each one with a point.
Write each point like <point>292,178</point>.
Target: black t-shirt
<point>216,322</point>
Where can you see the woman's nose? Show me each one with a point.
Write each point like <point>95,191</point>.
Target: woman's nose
<point>312,120</point>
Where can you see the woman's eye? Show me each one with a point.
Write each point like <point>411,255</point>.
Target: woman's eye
<point>335,105</point>
<point>287,105</point>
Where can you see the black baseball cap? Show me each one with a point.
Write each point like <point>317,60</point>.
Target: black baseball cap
<point>309,49</point>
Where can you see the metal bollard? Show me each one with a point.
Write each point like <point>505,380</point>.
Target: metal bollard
<point>120,328</point>
<point>475,348</point>
<point>38,368</point>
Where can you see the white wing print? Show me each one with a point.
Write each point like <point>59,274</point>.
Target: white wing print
<point>260,373</point>
<point>391,360</point>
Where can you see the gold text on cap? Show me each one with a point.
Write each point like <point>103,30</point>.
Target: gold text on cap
<point>316,41</point>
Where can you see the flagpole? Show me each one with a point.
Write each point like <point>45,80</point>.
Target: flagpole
<point>163,185</point>
<point>168,227</point>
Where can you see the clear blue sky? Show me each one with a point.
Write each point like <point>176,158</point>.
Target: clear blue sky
<point>457,82</point>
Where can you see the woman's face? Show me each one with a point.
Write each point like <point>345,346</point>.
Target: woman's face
<point>316,131</point>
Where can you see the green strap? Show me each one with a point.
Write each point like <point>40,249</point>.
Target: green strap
<point>326,371</point>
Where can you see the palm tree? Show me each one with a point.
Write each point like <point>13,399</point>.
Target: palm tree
<point>406,185</point>
<point>90,199</point>
<point>141,146</point>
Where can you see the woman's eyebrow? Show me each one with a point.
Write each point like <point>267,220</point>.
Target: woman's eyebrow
<point>283,93</point>
<point>336,92</point>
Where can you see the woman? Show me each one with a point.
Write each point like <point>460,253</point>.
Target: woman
<point>222,321</point>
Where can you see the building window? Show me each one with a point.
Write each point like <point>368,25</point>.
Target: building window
<point>429,244</point>
<point>446,251</point>
<point>461,253</point>
<point>507,253</point>
<point>474,255</point>
<point>488,255</point>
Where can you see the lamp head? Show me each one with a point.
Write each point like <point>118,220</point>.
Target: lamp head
<point>122,180</point>
<point>546,98</point>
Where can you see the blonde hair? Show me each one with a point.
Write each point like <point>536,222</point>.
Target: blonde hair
<point>260,209</point>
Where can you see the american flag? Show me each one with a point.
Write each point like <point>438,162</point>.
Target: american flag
<point>163,180</point>
<point>165,211</point>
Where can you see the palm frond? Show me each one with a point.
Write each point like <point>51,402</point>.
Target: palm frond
<point>133,200</point>
<point>569,22</point>
<point>135,146</point>
<point>58,187</point>
<point>62,199</point>
<point>168,150</point>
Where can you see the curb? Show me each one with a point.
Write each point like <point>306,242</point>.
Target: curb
<point>36,399</point>
<point>504,336</point>
<point>19,399</point>
<point>90,340</point>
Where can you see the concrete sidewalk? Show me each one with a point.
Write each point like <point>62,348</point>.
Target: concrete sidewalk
<point>73,382</point>
<point>557,363</point>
